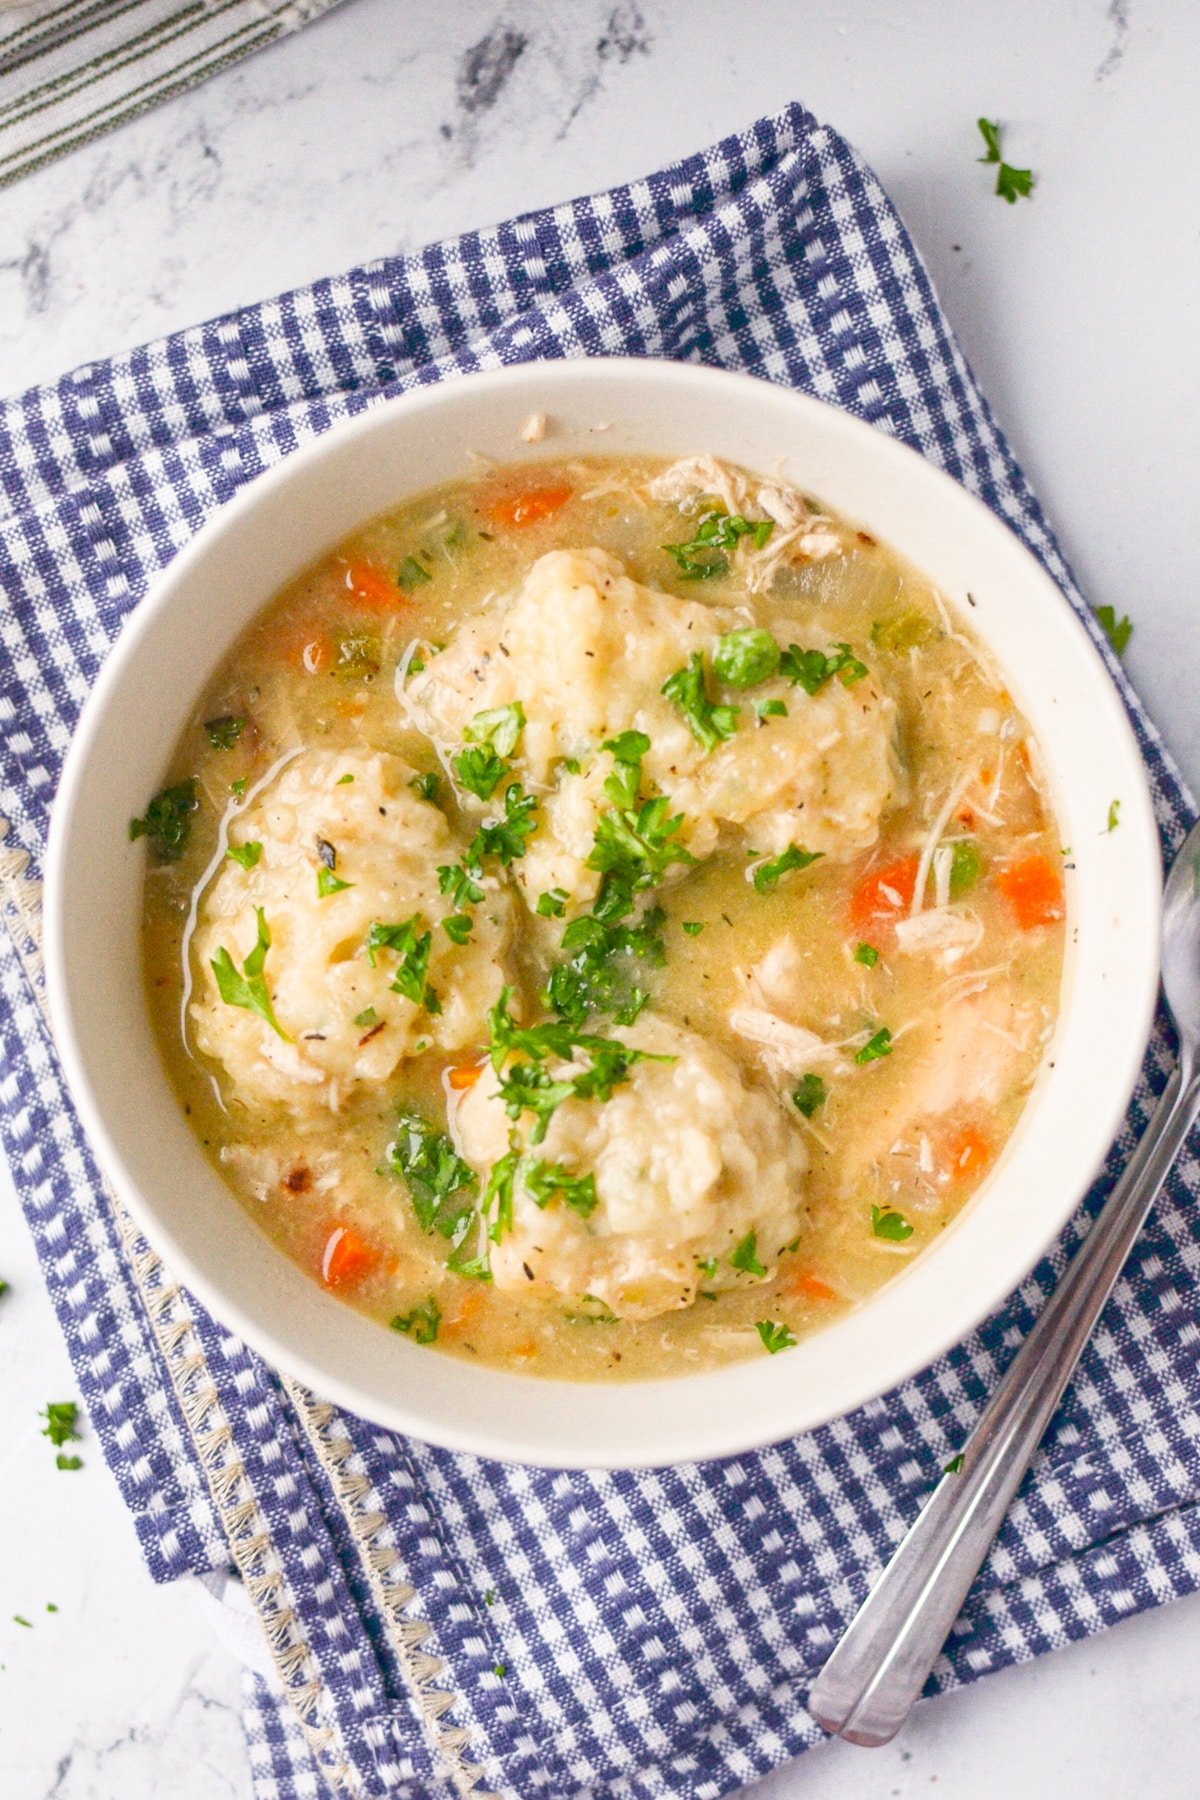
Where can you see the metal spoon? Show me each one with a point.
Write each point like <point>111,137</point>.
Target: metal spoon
<point>877,1671</point>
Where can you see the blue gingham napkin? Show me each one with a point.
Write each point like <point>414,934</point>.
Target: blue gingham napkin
<point>439,1624</point>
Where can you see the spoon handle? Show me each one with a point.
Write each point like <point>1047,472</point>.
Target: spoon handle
<point>878,1669</point>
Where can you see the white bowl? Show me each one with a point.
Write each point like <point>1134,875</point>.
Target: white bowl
<point>284,520</point>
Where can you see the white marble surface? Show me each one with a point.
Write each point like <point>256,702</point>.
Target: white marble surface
<point>390,123</point>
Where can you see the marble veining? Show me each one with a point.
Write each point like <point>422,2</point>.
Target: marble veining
<point>386,124</point>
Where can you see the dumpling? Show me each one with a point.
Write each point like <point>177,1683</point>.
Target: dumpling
<point>687,1161</point>
<point>347,823</point>
<point>586,650</point>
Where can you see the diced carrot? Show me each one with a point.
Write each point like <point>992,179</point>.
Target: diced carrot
<point>463,1076</point>
<point>371,589</point>
<point>529,506</point>
<point>883,895</point>
<point>1034,891</point>
<point>351,709</point>
<point>810,1286</point>
<point>462,1310</point>
<point>346,1257</point>
<point>966,816</point>
<point>967,1154</point>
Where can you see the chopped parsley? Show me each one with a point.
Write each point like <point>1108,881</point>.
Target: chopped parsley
<point>811,669</point>
<point>421,1324</point>
<point>499,1193</point>
<point>247,855</point>
<point>480,770</point>
<point>458,926</point>
<point>441,1186</point>
<point>501,838</point>
<point>553,903</point>
<point>767,875</point>
<point>412,574</point>
<point>744,1256</point>
<point>742,659</point>
<point>248,988</point>
<point>890,1225</point>
<point>709,724</point>
<point>368,1016</point>
<point>223,733</point>
<point>542,1181</point>
<point>426,786</point>
<point>1114,815</point>
<point>880,1045</point>
<point>526,1085</point>
<point>707,1265</point>
<point>1010,183</point>
<point>636,842</point>
<point>966,866</point>
<point>329,883</point>
<point>954,1466</point>
<point>1117,631</point>
<point>500,726</point>
<point>692,927</point>
<point>168,820</point>
<point>61,1416</point>
<point>867,955</point>
<point>775,1336</point>
<point>238,787</point>
<point>810,1094</point>
<point>344,780</point>
<point>770,709</point>
<point>491,737</point>
<point>411,945</point>
<point>702,556</point>
<point>63,1461</point>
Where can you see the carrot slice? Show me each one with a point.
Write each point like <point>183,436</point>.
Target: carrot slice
<point>967,1154</point>
<point>1034,891</point>
<point>371,589</point>
<point>884,895</point>
<point>529,506</point>
<point>810,1286</point>
<point>346,1257</point>
<point>464,1076</point>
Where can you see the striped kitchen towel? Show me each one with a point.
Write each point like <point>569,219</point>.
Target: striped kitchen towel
<point>73,69</point>
<point>434,1623</point>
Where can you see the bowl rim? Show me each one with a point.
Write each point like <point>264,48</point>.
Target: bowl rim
<point>1094,1132</point>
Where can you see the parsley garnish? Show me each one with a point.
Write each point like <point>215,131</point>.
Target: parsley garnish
<point>412,945</point>
<point>168,821</point>
<point>499,1192</point>
<point>457,926</point>
<point>767,875</point>
<point>527,1086</point>
<point>744,1256</point>
<point>421,1324</point>
<point>247,855</point>
<point>440,1184</point>
<point>775,1335</point>
<point>867,955</point>
<point>238,787</point>
<point>702,556</point>
<point>811,669</point>
<point>692,927</point>
<point>770,709</point>
<point>368,1016</point>
<point>809,1095</point>
<point>880,1045</point>
<point>248,988</point>
<point>709,724</point>
<point>1117,631</point>
<point>503,839</point>
<point>543,1180</point>
<point>223,733</point>
<point>1114,815</point>
<point>743,658</point>
<point>61,1418</point>
<point>1010,182</point>
<point>411,574</point>
<point>889,1224</point>
<point>344,780</point>
<point>480,770</point>
<point>954,1466</point>
<point>553,903</point>
<point>424,785</point>
<point>492,736</point>
<point>500,726</point>
<point>329,883</point>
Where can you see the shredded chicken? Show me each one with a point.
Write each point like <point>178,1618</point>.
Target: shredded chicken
<point>788,1049</point>
<point>944,932</point>
<point>534,429</point>
<point>800,535</point>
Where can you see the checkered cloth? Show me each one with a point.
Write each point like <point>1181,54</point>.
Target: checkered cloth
<point>438,1620</point>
